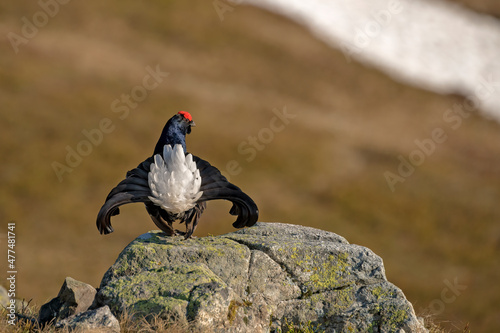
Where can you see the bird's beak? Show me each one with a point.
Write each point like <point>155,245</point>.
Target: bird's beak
<point>192,124</point>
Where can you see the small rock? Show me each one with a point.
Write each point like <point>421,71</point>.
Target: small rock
<point>73,298</point>
<point>101,319</point>
<point>49,311</point>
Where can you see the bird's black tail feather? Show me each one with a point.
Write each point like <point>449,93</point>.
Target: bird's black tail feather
<point>215,186</point>
<point>134,188</point>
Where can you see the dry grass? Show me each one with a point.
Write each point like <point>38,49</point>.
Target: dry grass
<point>325,169</point>
<point>433,326</point>
<point>131,324</point>
<point>128,324</point>
<point>157,324</point>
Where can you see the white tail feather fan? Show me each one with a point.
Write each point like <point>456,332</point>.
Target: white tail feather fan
<point>174,180</point>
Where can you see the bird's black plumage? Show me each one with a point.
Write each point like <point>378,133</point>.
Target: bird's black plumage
<point>135,188</point>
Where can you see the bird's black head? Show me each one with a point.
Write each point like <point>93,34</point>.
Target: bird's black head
<point>175,131</point>
<point>185,121</point>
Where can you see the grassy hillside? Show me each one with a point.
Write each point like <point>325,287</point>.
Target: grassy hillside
<point>489,7</point>
<point>324,168</point>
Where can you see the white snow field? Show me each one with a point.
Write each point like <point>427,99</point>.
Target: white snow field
<point>435,45</point>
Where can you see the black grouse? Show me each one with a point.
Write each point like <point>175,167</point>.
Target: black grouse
<point>175,186</point>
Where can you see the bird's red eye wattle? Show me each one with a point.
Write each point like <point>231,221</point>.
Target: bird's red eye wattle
<point>186,115</point>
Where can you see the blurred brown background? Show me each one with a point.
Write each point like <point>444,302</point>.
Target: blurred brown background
<point>324,169</point>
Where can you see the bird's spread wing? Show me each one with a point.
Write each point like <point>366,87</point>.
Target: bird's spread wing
<point>134,188</point>
<point>215,186</point>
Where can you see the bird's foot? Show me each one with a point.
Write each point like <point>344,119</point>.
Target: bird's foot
<point>184,234</point>
<point>179,233</point>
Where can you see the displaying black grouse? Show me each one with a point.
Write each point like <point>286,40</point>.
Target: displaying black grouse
<point>175,185</point>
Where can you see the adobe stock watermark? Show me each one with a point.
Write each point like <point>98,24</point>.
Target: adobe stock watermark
<point>453,118</point>
<point>224,6</point>
<point>95,136</point>
<point>31,25</point>
<point>449,294</point>
<point>372,29</point>
<point>11,273</point>
<point>254,144</point>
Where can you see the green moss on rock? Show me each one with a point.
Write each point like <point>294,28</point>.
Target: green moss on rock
<point>328,274</point>
<point>168,288</point>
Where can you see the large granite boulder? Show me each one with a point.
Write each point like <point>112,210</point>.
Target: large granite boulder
<point>270,277</point>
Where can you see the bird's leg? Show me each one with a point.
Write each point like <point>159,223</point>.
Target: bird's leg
<point>192,219</point>
<point>189,223</point>
<point>164,225</point>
